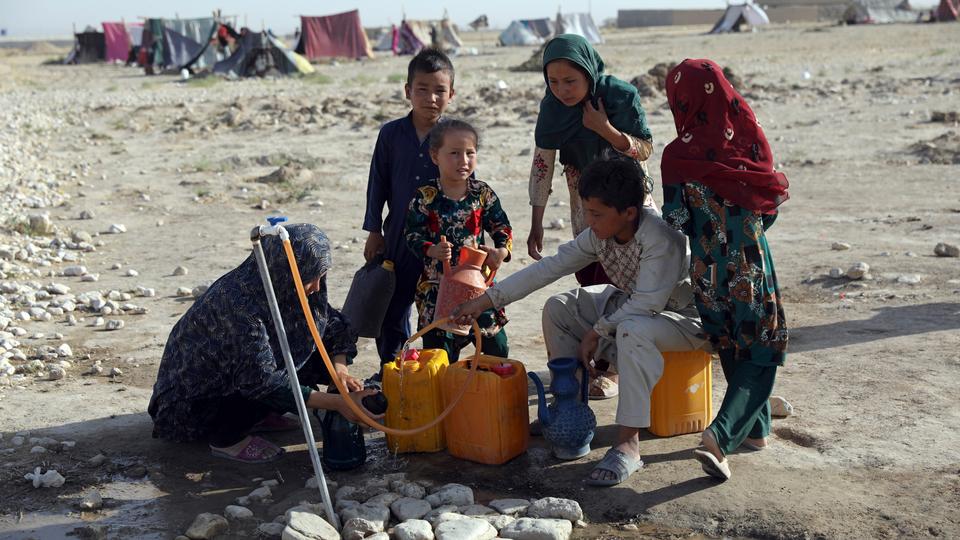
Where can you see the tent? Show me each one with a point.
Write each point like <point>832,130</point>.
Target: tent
<point>948,10</point>
<point>388,39</point>
<point>89,46</point>
<point>517,34</point>
<point>738,14</point>
<point>578,23</point>
<point>331,36</point>
<point>878,12</point>
<point>117,41</point>
<point>541,27</point>
<point>418,34</point>
<point>261,54</point>
<point>177,44</point>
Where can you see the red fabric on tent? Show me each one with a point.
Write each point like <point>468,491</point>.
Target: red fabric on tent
<point>117,41</point>
<point>948,10</point>
<point>339,35</point>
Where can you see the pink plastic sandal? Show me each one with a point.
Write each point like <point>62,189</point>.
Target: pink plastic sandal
<point>257,450</point>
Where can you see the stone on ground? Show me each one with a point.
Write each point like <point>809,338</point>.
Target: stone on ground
<point>413,529</point>
<point>409,508</point>
<point>307,526</point>
<point>537,529</point>
<point>206,526</point>
<point>465,529</point>
<point>456,494</point>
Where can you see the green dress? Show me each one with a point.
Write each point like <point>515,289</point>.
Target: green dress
<point>736,293</point>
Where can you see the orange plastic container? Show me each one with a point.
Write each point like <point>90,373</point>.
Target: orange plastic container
<point>682,400</point>
<point>490,424</point>
<point>414,399</point>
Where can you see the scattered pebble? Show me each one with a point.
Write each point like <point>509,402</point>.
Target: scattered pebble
<point>944,249</point>
<point>132,273</point>
<point>115,324</point>
<point>91,501</point>
<point>206,526</point>
<point>117,228</point>
<point>115,372</point>
<point>180,271</point>
<point>859,270</point>
<point>840,246</point>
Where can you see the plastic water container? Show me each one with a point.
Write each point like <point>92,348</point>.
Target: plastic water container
<point>415,399</point>
<point>682,400</point>
<point>490,424</point>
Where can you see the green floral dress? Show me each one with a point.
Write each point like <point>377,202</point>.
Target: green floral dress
<point>732,273</point>
<point>432,215</point>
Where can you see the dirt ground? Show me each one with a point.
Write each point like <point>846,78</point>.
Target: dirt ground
<point>872,451</point>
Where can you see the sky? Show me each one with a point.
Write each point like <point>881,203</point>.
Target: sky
<point>55,18</point>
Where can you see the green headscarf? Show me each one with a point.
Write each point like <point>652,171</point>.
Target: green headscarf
<point>561,128</point>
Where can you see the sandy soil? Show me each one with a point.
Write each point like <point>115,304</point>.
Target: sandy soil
<point>872,451</point>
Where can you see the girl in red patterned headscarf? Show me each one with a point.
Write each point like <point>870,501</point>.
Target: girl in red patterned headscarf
<point>721,190</point>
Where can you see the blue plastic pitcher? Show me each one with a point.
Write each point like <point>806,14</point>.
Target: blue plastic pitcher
<point>568,422</point>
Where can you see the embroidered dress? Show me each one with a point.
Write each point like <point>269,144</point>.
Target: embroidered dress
<point>463,222</point>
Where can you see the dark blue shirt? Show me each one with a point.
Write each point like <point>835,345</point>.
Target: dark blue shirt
<point>399,165</point>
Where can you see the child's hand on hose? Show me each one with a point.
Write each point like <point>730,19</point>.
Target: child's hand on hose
<point>442,251</point>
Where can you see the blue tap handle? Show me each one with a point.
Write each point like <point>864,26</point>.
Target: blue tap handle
<point>273,220</point>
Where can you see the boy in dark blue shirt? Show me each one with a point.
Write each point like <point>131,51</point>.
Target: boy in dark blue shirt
<point>401,161</point>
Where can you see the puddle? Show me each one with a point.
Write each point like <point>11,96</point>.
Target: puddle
<point>131,510</point>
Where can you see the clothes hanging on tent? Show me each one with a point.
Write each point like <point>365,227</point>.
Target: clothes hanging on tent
<point>117,42</point>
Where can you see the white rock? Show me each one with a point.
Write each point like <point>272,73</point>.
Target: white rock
<point>236,513</point>
<point>40,224</point>
<point>554,507</point>
<point>433,514</point>
<point>117,228</point>
<point>64,351</point>
<point>115,324</point>
<point>180,271</point>
<point>413,529</point>
<point>90,278</point>
<point>538,529</point>
<point>465,529</point>
<point>456,494</point>
<point>510,507</point>
<point>909,279</point>
<point>347,493</point>
<point>86,214</point>
<point>408,489</point>
<point>199,290</point>
<point>944,249</point>
<point>206,526</point>
<point>371,512</point>
<point>184,291</point>
<point>409,508</point>
<point>780,407</point>
<point>271,530</point>
<point>304,525</point>
<point>840,246</point>
<point>385,499</point>
<point>97,460</point>
<point>260,494</point>
<point>91,501</point>
<point>499,521</point>
<point>98,322</point>
<point>57,288</point>
<point>359,528</point>
<point>132,273</point>
<point>476,510</point>
<point>445,517</point>
<point>56,373</point>
<point>378,536</point>
<point>858,270</point>
<point>38,450</point>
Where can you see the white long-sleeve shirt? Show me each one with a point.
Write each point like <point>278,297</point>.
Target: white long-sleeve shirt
<point>661,283</point>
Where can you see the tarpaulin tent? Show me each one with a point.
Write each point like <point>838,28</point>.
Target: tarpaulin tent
<point>117,41</point>
<point>738,14</point>
<point>948,10</point>
<point>89,46</point>
<point>388,39</point>
<point>578,23</point>
<point>187,43</point>
<point>333,36</point>
<point>135,31</point>
<point>260,54</point>
<point>175,44</point>
<point>415,35</point>
<point>541,27</point>
<point>878,12</point>
<point>517,34</point>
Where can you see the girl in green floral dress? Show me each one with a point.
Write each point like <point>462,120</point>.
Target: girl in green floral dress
<point>447,213</point>
<point>720,189</point>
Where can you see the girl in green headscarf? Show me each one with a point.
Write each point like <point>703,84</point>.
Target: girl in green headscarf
<point>583,113</point>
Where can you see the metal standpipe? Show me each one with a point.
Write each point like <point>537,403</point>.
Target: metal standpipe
<point>255,235</point>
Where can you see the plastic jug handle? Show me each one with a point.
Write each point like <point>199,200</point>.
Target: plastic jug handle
<point>446,262</point>
<point>584,383</point>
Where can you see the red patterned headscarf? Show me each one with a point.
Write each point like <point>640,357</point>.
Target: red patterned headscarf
<point>719,142</point>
